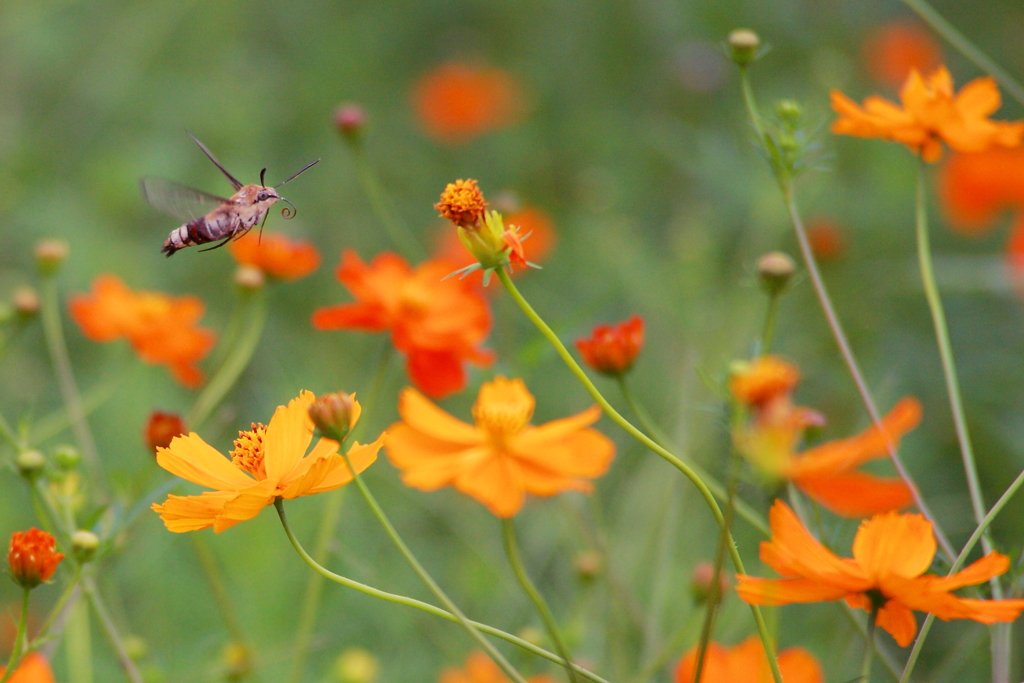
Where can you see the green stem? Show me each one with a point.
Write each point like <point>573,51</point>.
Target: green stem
<point>110,630</point>
<point>628,427</point>
<point>668,651</point>
<point>958,563</point>
<point>79,645</point>
<point>254,304</point>
<point>419,604</point>
<point>19,639</point>
<point>215,582</point>
<point>514,559</point>
<point>330,516</point>
<point>768,330</point>
<point>432,585</point>
<point>398,232</point>
<point>966,47</point>
<point>53,331</point>
<point>785,185</point>
<point>869,647</point>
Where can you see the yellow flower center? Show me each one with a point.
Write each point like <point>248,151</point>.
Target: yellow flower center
<point>248,452</point>
<point>503,419</point>
<point>462,203</point>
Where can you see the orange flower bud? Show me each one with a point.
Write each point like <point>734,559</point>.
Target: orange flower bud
<point>33,557</point>
<point>611,349</point>
<point>335,414</point>
<point>162,428</point>
<point>463,203</point>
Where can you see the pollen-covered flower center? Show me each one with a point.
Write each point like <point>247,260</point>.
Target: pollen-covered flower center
<point>247,454</point>
<point>502,419</point>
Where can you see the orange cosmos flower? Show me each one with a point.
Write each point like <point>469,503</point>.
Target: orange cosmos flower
<point>33,669</point>
<point>975,188</point>
<point>931,114</point>
<point>891,552</point>
<point>267,462</point>
<point>439,324</point>
<point>276,255</point>
<point>611,349</point>
<point>161,428</point>
<point>892,51</point>
<point>161,329</point>
<point>480,669</point>
<point>828,472</point>
<point>459,102</point>
<point>747,663</point>
<point>502,457</point>
<point>32,557</point>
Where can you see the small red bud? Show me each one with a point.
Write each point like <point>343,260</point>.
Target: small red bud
<point>32,557</point>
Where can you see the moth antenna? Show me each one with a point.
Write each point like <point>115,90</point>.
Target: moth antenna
<point>296,175</point>
<point>287,213</point>
<point>209,155</point>
<point>259,238</point>
<point>263,174</point>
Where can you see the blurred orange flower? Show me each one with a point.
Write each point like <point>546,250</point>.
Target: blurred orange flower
<point>827,239</point>
<point>895,49</point>
<point>161,329</point>
<point>502,457</point>
<point>931,114</point>
<point>267,462</point>
<point>161,428</point>
<point>458,102</point>
<point>33,669</point>
<point>611,349</point>
<point>891,552</point>
<point>480,669</point>
<point>747,663</point>
<point>975,188</point>
<point>827,472</point>
<point>276,255</point>
<point>32,557</point>
<point>439,324</point>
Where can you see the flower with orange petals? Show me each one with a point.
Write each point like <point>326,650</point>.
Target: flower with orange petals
<point>267,462</point>
<point>827,239</point>
<point>931,114</point>
<point>33,669</point>
<point>459,102</point>
<point>161,329</point>
<point>439,324</point>
<point>827,472</point>
<point>502,457</point>
<point>32,557</point>
<point>976,188</point>
<point>895,49</point>
<point>276,255</point>
<point>161,428</point>
<point>480,668</point>
<point>611,349</point>
<point>891,552</point>
<point>748,663</point>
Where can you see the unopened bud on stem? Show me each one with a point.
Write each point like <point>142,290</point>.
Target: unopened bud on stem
<point>744,46</point>
<point>50,254</point>
<point>67,457</point>
<point>350,121</point>
<point>335,415</point>
<point>84,545</point>
<point>775,269</point>
<point>249,277</point>
<point>25,301</point>
<point>30,464</point>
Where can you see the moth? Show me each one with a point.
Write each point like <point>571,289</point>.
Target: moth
<point>210,218</point>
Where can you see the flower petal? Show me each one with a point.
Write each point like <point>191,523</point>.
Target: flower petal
<point>984,569</point>
<point>191,458</point>
<point>857,494</point>
<point>757,591</point>
<point>246,504</point>
<point>419,413</point>
<point>495,481</point>
<point>437,372</point>
<point>534,437</point>
<point>288,436</point>
<point>898,620</point>
<point>192,513</point>
<point>797,665</point>
<point>586,453</point>
<point>361,456</point>
<point>894,544</point>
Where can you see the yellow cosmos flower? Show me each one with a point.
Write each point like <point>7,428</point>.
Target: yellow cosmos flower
<point>267,462</point>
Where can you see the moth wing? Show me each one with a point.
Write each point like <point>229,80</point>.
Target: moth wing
<point>177,200</point>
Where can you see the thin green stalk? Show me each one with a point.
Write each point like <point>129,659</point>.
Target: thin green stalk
<point>768,329</point>
<point>958,563</point>
<point>79,645</point>
<point>668,651</point>
<point>330,515</point>
<point>110,630</point>
<point>254,304</point>
<point>966,47</point>
<point>514,559</point>
<point>19,639</point>
<point>626,425</point>
<point>53,331</point>
<point>57,608</point>
<point>432,585</point>
<point>869,647</point>
<point>785,185</point>
<point>717,488</point>
<point>419,604</point>
<point>399,233</point>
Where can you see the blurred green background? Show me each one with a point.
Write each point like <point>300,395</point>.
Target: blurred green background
<point>635,141</point>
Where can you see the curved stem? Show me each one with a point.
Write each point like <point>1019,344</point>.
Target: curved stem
<point>966,47</point>
<point>512,550</point>
<point>53,331</point>
<point>428,580</point>
<point>19,639</point>
<point>398,232</point>
<point>254,304</point>
<point>330,515</point>
<point>419,604</point>
<point>107,624</point>
<point>958,563</point>
<point>628,427</point>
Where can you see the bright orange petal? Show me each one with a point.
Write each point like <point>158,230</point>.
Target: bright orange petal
<point>246,504</point>
<point>586,453</point>
<point>361,456</point>
<point>715,670</point>
<point>797,665</point>
<point>993,564</point>
<point>979,98</point>
<point>757,591</point>
<point>534,437</point>
<point>33,669</point>
<point>496,482</point>
<point>894,544</point>
<point>419,413</point>
<point>857,494</point>
<point>191,458</point>
<point>898,621</point>
<point>192,513</point>
<point>288,436</point>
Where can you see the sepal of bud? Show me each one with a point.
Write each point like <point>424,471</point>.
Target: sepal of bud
<point>356,665</point>
<point>775,270</point>
<point>335,414</point>
<point>744,46</point>
<point>32,557</point>
<point>30,464</point>
<point>84,545</point>
<point>50,254</point>
<point>67,457</point>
